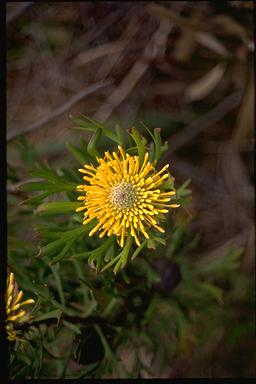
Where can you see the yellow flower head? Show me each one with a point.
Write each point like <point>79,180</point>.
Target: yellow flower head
<point>13,307</point>
<point>124,197</point>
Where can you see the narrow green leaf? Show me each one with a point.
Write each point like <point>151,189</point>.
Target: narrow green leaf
<point>108,351</point>
<point>36,199</point>
<point>112,262</point>
<point>55,245</point>
<point>63,253</point>
<point>158,143</point>
<point>138,250</point>
<point>90,124</point>
<point>152,275</point>
<point>56,274</point>
<point>42,186</point>
<point>120,134</point>
<point>12,173</point>
<point>55,314</point>
<point>159,148</point>
<point>212,290</point>
<point>21,373</point>
<point>221,264</point>
<point>181,191</point>
<point>59,207</point>
<point>78,155</point>
<point>121,259</point>
<point>168,184</point>
<point>140,143</point>
<point>66,235</point>
<point>46,173</point>
<point>94,141</point>
<point>71,326</point>
<point>51,247</point>
<point>21,356</point>
<point>175,201</point>
<point>96,252</point>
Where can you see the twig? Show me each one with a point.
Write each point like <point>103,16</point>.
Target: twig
<point>162,12</point>
<point>57,112</point>
<point>152,49</point>
<point>200,177</point>
<point>125,39</point>
<point>95,53</point>
<point>17,11</point>
<point>93,34</point>
<point>203,122</point>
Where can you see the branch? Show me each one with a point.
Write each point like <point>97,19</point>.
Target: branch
<point>155,46</point>
<point>18,9</point>
<point>203,122</point>
<point>63,108</point>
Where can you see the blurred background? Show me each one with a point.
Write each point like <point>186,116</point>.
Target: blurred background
<point>185,67</point>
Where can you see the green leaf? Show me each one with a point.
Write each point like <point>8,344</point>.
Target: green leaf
<point>89,124</point>
<point>63,253</point>
<point>55,314</point>
<point>222,264</point>
<point>159,148</point>
<point>56,274</point>
<point>71,326</point>
<point>51,247</point>
<point>152,275</point>
<point>212,290</point>
<point>21,356</point>
<point>241,331</point>
<point>42,186</point>
<point>21,373</point>
<point>96,252</point>
<point>158,143</point>
<point>67,235</point>
<point>182,191</point>
<point>36,199</point>
<point>120,134</point>
<point>121,259</point>
<point>138,250</point>
<point>112,262</point>
<point>108,351</point>
<point>77,153</point>
<point>151,243</point>
<point>168,184</point>
<point>59,207</point>
<point>140,143</point>
<point>94,141</point>
<point>12,173</point>
<point>28,152</point>
<point>46,173</point>
<point>54,246</point>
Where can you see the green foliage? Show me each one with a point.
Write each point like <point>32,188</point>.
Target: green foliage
<point>104,256</point>
<point>94,298</point>
<point>86,123</point>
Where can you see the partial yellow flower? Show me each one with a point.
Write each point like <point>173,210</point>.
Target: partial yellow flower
<point>124,197</point>
<point>13,307</point>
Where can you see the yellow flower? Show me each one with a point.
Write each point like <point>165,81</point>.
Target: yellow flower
<point>13,307</point>
<point>124,197</point>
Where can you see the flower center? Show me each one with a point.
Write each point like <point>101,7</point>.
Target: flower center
<point>123,195</point>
